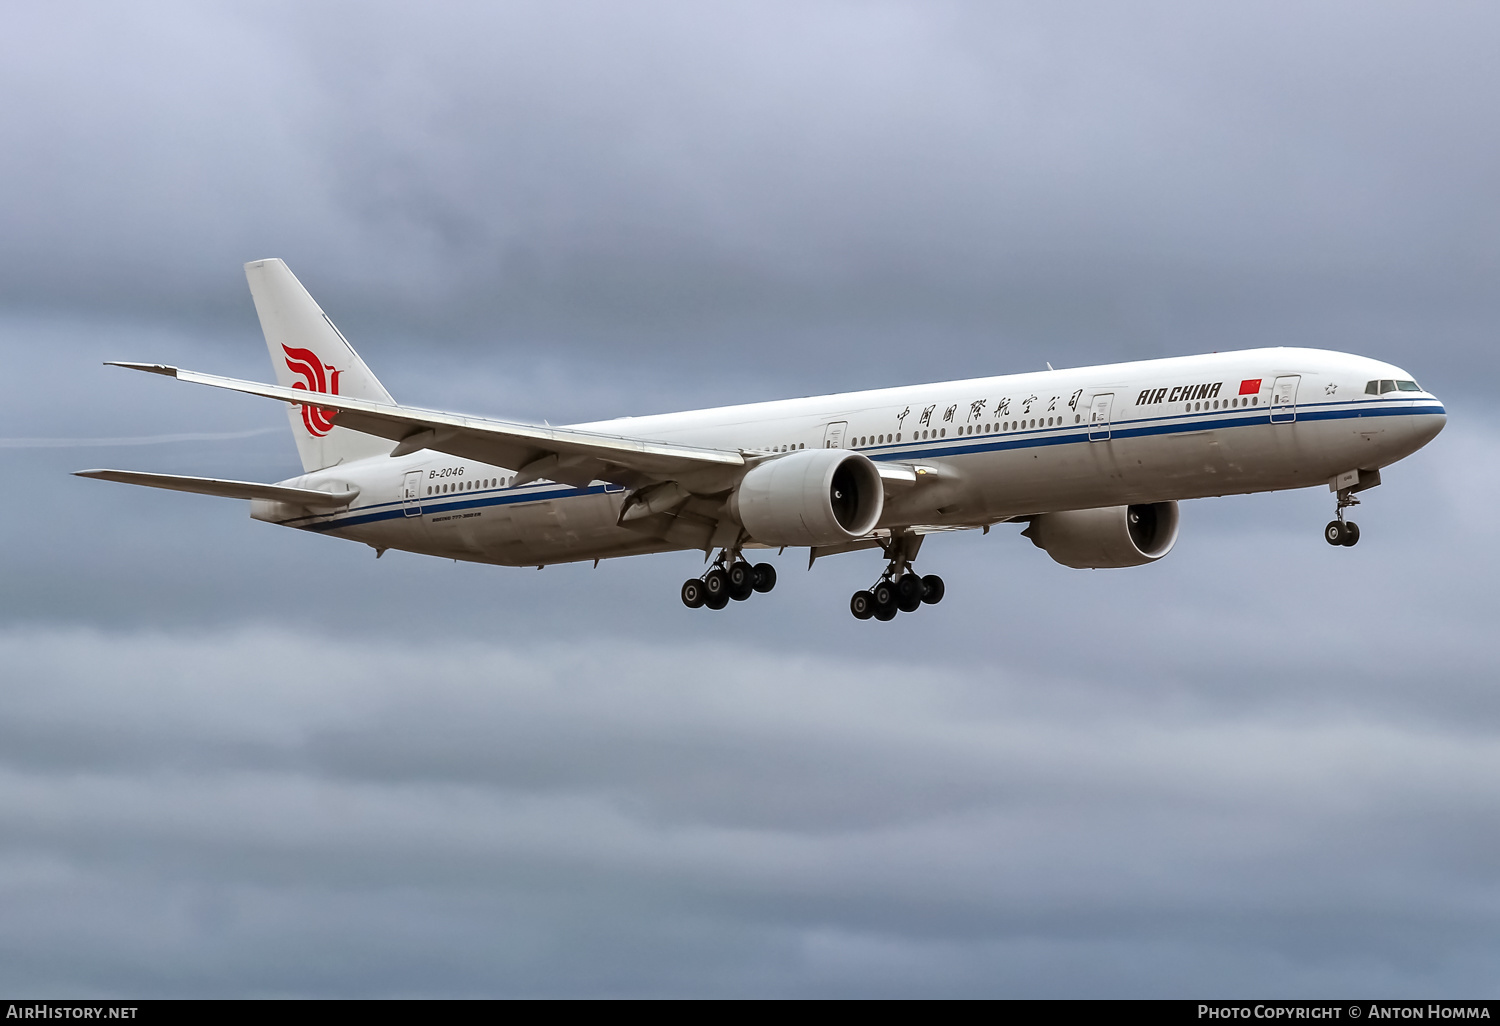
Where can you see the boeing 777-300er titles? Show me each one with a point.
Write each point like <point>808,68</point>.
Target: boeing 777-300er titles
<point>1093,460</point>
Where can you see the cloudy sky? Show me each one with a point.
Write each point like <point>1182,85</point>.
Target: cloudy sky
<point>236,760</point>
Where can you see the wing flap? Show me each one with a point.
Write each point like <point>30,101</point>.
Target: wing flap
<point>308,498</point>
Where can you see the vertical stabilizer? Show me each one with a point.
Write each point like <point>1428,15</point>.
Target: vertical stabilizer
<point>307,351</point>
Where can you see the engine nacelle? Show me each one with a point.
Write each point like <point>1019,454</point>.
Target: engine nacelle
<point>1109,537</point>
<point>810,497</point>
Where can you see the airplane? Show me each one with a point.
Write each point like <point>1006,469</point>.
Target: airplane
<point>1092,460</point>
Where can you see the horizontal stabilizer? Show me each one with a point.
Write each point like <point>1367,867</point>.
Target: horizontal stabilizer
<point>308,498</point>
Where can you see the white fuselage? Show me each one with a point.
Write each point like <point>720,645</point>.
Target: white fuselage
<point>992,449</point>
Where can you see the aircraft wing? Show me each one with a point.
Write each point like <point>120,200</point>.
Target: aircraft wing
<point>556,454</point>
<point>308,498</point>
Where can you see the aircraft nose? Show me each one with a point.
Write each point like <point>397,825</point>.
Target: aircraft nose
<point>1427,427</point>
<point>1430,417</point>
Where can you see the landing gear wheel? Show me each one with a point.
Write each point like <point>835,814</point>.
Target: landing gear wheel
<point>693,593</point>
<point>1351,533</point>
<point>862,605</point>
<point>932,589</point>
<point>741,580</point>
<point>1335,533</point>
<point>765,577</point>
<point>717,602</point>
<point>885,598</point>
<point>716,585</point>
<point>909,593</point>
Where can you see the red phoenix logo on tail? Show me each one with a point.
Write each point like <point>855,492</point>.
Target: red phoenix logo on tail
<point>305,362</point>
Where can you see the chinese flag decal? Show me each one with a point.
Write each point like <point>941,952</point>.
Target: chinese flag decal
<point>1250,386</point>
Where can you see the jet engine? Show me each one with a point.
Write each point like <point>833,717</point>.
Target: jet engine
<point>1108,537</point>
<point>810,497</point>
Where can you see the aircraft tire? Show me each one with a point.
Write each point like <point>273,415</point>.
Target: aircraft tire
<point>885,612</point>
<point>909,593</point>
<point>1351,534</point>
<point>693,593</point>
<point>741,580</point>
<point>862,605</point>
<point>716,584</point>
<point>932,589</point>
<point>1334,533</point>
<point>885,595</point>
<point>717,602</point>
<point>765,577</point>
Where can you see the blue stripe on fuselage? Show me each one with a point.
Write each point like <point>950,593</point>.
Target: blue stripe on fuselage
<point>960,446</point>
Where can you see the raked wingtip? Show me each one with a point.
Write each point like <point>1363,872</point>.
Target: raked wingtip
<point>150,368</point>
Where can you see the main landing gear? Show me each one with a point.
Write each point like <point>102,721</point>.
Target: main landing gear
<point>730,578</point>
<point>899,589</point>
<point>1340,531</point>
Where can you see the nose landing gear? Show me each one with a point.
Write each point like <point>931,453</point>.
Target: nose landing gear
<point>1340,531</point>
<point>730,578</point>
<point>899,589</point>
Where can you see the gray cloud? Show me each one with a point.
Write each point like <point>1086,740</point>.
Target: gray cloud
<point>825,826</point>
<point>626,183</point>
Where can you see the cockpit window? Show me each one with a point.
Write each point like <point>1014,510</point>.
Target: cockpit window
<point>1383,385</point>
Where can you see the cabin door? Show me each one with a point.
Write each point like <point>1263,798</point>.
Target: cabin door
<point>1284,399</point>
<point>833,436</point>
<point>411,494</point>
<point>1099,413</point>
